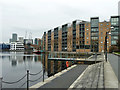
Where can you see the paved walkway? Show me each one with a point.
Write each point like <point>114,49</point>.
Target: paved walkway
<point>99,75</point>
<point>92,77</point>
<point>66,79</point>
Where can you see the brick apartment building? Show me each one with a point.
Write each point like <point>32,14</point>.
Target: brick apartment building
<point>82,36</point>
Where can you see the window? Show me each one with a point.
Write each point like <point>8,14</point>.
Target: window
<point>107,23</point>
<point>87,29</point>
<point>107,28</point>
<point>101,37</point>
<point>113,43</point>
<point>114,21</point>
<point>77,47</point>
<point>87,33</point>
<point>115,37</point>
<point>101,24</point>
<point>94,29</point>
<point>94,34</point>
<point>87,41</point>
<point>94,22</point>
<point>101,33</point>
<point>87,37</point>
<point>94,38</point>
<point>101,42</point>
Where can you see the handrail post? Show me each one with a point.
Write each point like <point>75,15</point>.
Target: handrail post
<point>27,79</point>
<point>1,83</point>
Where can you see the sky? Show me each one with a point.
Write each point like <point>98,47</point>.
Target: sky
<point>38,16</point>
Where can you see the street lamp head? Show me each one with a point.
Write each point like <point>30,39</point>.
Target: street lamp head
<point>109,33</point>
<point>112,27</point>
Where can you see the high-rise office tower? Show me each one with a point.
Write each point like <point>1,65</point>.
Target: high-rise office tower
<point>14,37</point>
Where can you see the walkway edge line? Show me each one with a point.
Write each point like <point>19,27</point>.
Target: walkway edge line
<point>74,83</point>
<point>90,56</point>
<point>38,85</point>
<point>108,73</point>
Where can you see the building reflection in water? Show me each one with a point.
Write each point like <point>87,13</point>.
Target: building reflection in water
<point>51,67</point>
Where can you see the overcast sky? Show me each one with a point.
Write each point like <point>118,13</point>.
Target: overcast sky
<point>37,16</point>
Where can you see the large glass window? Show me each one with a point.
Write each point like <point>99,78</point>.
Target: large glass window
<point>94,29</point>
<point>114,21</point>
<point>113,42</point>
<point>94,38</point>
<point>115,37</point>
<point>94,34</point>
<point>94,22</point>
<point>114,33</point>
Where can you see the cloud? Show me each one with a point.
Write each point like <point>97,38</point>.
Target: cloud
<point>42,15</point>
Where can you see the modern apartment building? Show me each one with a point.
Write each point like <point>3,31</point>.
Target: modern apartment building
<point>115,23</point>
<point>80,36</point>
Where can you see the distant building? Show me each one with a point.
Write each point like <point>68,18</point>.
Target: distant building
<point>14,37</point>
<point>21,39</point>
<point>10,40</point>
<point>38,44</point>
<point>36,41</point>
<point>4,46</point>
<point>28,41</point>
<point>16,46</point>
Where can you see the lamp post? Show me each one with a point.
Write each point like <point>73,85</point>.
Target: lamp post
<point>106,46</point>
<point>107,33</point>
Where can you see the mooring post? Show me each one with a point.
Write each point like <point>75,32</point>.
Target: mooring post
<point>27,79</point>
<point>1,83</point>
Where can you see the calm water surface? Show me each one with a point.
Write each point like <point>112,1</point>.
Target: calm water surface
<point>14,65</point>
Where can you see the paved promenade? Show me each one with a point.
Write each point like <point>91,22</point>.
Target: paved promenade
<point>66,79</point>
<point>98,75</point>
<point>92,77</point>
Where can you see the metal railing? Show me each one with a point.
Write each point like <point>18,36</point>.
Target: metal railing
<point>27,81</point>
<point>28,74</point>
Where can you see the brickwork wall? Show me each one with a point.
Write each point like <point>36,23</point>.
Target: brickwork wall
<point>60,40</point>
<point>103,28</point>
<point>77,35</point>
<point>69,39</point>
<point>87,34</point>
<point>52,41</point>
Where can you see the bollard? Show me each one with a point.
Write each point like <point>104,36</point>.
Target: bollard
<point>43,73</point>
<point>27,79</point>
<point>1,83</point>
